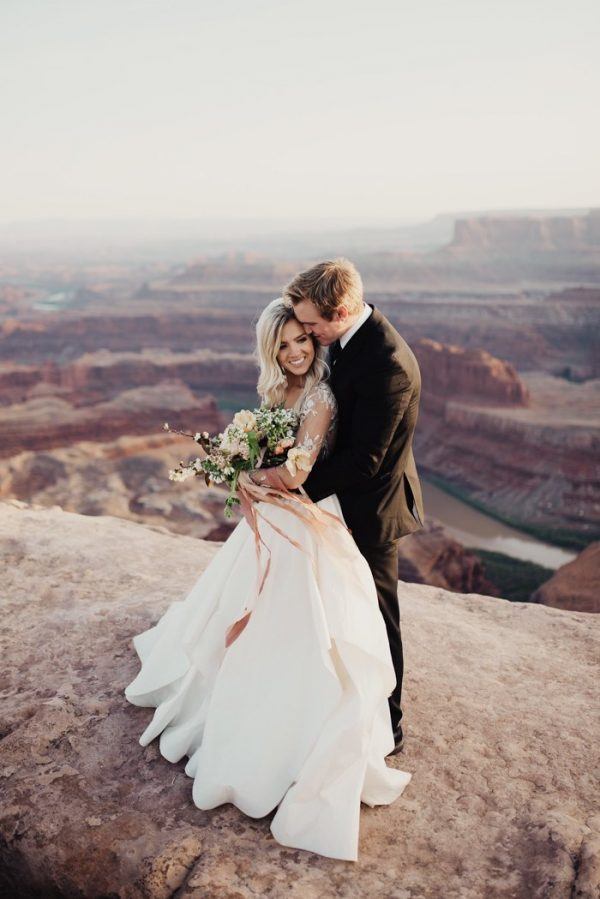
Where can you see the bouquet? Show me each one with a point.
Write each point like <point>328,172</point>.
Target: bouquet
<point>261,438</point>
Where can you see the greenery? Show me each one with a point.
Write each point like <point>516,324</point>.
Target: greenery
<point>253,439</point>
<point>557,536</point>
<point>515,579</point>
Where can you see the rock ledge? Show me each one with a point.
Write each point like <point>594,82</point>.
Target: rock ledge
<point>499,738</point>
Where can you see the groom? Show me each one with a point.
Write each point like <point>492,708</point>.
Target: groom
<point>376,381</point>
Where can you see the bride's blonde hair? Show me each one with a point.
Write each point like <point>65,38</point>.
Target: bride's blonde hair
<point>272,380</point>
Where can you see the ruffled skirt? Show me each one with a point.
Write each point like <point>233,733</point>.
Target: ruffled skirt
<point>294,714</point>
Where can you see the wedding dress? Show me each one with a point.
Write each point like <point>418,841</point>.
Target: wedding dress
<point>294,713</point>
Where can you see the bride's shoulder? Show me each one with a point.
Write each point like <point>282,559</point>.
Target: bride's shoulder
<point>319,395</point>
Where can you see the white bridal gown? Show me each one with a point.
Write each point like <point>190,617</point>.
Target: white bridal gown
<point>294,713</point>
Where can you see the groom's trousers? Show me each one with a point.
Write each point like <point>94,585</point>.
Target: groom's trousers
<point>383,562</point>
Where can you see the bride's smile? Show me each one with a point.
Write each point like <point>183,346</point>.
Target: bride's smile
<point>296,350</point>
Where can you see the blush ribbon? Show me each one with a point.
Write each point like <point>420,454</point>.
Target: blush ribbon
<point>275,493</point>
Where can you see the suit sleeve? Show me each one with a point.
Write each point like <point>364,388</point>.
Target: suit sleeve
<point>383,397</point>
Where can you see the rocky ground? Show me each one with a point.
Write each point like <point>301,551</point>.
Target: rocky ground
<point>501,739</point>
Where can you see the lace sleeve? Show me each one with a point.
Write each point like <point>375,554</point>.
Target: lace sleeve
<point>316,415</point>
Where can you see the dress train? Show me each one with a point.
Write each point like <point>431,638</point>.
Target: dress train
<point>294,713</point>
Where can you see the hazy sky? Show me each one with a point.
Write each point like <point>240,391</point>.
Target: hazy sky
<point>319,109</point>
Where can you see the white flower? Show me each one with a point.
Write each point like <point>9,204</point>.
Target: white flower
<point>245,420</point>
<point>230,445</point>
<point>180,475</point>
<point>234,442</point>
<point>298,458</point>
<point>226,444</point>
<point>166,426</point>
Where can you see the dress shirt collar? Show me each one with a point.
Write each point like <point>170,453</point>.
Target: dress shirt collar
<point>357,324</point>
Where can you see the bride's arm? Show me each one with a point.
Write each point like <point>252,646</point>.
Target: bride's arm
<point>311,434</point>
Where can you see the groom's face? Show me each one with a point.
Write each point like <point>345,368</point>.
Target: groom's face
<point>325,330</point>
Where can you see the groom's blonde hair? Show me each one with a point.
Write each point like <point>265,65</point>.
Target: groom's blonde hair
<point>329,284</point>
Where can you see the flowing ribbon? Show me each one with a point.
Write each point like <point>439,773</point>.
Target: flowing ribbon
<point>299,504</point>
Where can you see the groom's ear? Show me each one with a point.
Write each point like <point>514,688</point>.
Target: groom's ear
<point>341,312</point>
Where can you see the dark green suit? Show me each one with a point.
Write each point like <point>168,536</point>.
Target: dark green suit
<point>377,385</point>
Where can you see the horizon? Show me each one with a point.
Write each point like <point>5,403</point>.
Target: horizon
<point>179,240</point>
<point>517,210</point>
<point>308,221</point>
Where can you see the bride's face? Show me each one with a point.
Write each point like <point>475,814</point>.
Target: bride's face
<point>296,350</point>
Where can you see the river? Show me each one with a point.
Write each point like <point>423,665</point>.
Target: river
<point>476,529</point>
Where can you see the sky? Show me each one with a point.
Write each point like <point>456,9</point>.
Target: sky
<point>385,110</point>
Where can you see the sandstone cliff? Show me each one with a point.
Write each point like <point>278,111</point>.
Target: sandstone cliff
<point>534,466</point>
<point>452,372</point>
<point>65,336</point>
<point>499,737</point>
<point>575,585</point>
<point>126,477</point>
<point>102,375</point>
<point>47,420</point>
<point>525,235</point>
<point>237,268</point>
<point>496,250</point>
<point>431,556</point>
<point>523,446</point>
<point>530,328</point>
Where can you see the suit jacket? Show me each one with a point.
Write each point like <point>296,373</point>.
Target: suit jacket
<point>377,385</point>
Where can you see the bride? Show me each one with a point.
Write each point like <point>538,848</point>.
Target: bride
<point>293,714</point>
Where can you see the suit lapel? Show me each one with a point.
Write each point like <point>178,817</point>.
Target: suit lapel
<point>356,343</point>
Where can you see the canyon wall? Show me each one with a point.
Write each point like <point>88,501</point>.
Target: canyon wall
<point>538,477</point>
<point>127,477</point>
<point>498,250</point>
<point>63,337</point>
<point>575,585</point>
<point>530,329</point>
<point>451,371</point>
<point>522,236</point>
<point>523,447</point>
<point>431,556</point>
<point>102,375</point>
<point>48,421</point>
